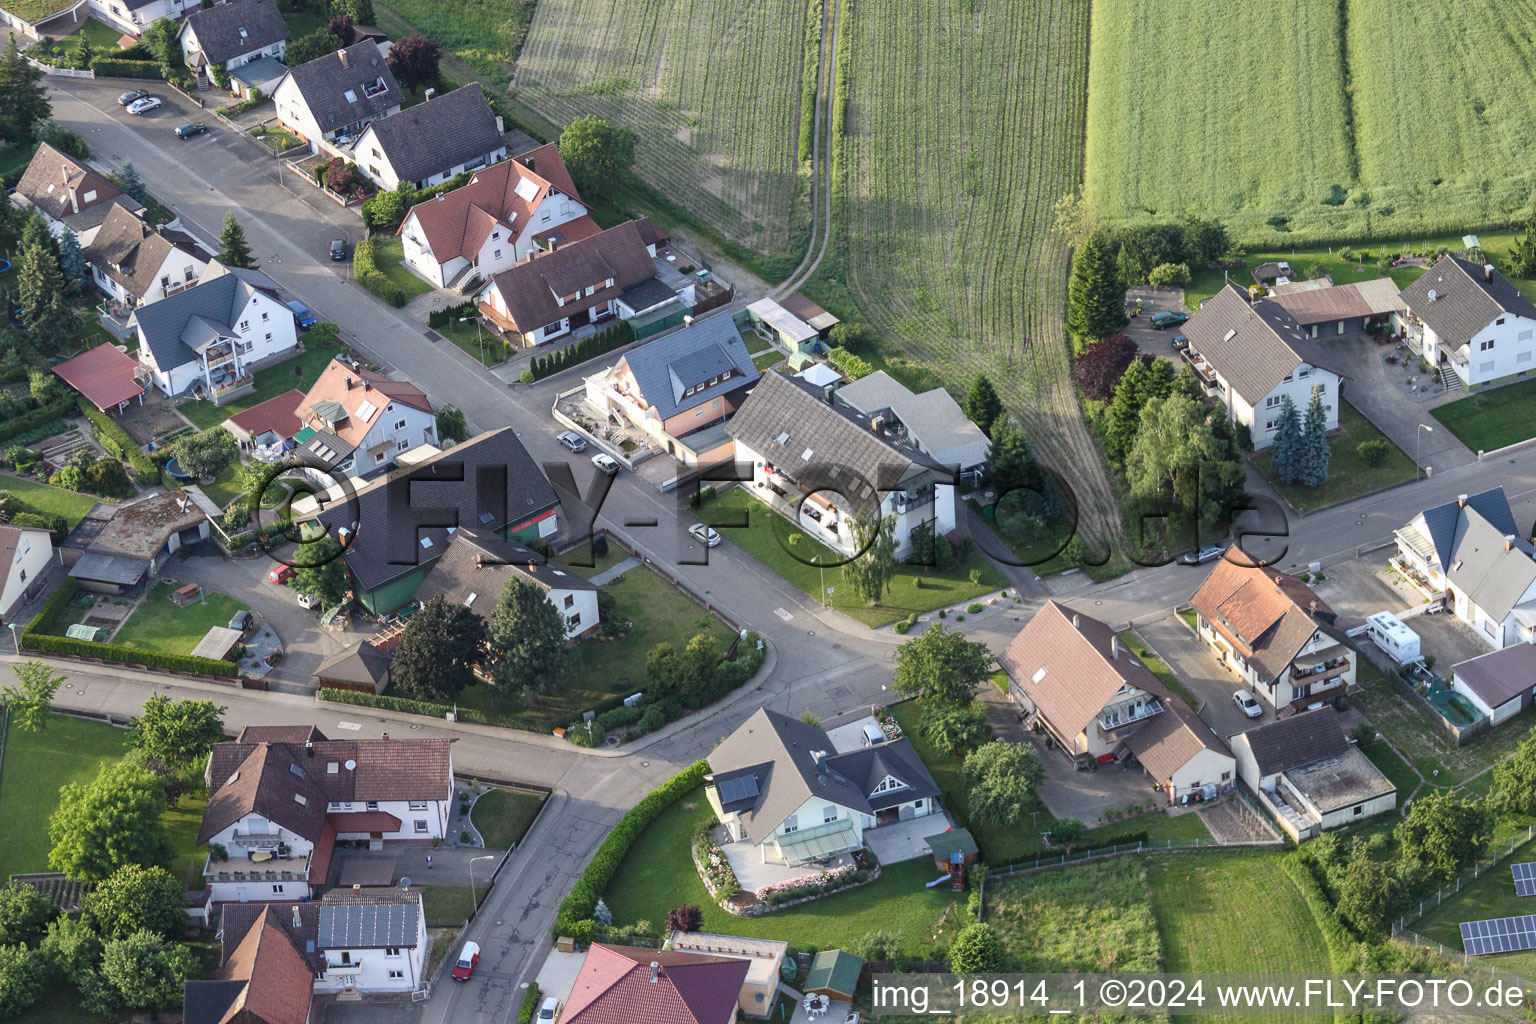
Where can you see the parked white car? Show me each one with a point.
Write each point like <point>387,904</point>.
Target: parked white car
<point>605,463</point>
<point>1247,705</point>
<point>704,535</point>
<point>145,105</point>
<point>308,601</point>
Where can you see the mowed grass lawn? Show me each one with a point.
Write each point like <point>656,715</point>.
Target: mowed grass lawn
<point>1491,895</point>
<point>50,500</point>
<point>502,816</point>
<point>658,874</point>
<point>389,254</point>
<point>299,372</point>
<point>914,589</point>
<point>1348,475</point>
<point>37,765</point>
<point>158,624</point>
<point>1232,912</point>
<point>1491,419</point>
<point>658,611</point>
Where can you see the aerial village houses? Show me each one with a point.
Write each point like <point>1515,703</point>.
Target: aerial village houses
<point>236,35</point>
<point>496,219</point>
<point>1275,634</point>
<point>277,807</point>
<point>610,275</point>
<point>680,389</point>
<point>355,422</point>
<point>1469,554</point>
<point>478,567</point>
<point>1250,355</point>
<point>933,420</point>
<point>630,983</point>
<point>398,525</point>
<point>1095,700</point>
<point>134,264</point>
<point>820,464</point>
<point>336,96</point>
<point>67,194</point>
<point>432,141</point>
<point>209,338</point>
<point>132,17</point>
<point>1306,773</point>
<point>1470,323</point>
<point>780,785</point>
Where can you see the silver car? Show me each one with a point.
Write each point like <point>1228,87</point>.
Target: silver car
<point>704,535</point>
<point>1247,705</point>
<point>605,463</point>
<point>573,441</point>
<point>145,105</point>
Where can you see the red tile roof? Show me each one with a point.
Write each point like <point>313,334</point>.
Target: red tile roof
<point>1267,615</point>
<point>103,375</point>
<point>350,388</point>
<point>364,821</point>
<point>279,415</point>
<point>614,986</point>
<point>457,223</point>
<point>278,980</point>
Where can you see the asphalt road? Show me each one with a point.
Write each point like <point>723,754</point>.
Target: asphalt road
<point>821,661</point>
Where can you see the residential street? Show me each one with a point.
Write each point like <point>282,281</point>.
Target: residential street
<point>821,661</point>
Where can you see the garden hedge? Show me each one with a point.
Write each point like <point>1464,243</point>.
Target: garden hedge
<point>109,67</point>
<point>371,277</point>
<point>590,347</point>
<point>33,639</point>
<point>55,604</point>
<point>848,364</point>
<point>30,421</point>
<point>575,915</point>
<point>116,441</point>
<point>443,317</point>
<point>405,704</point>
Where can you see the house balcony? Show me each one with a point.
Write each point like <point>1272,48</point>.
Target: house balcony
<point>344,970</point>
<point>243,869</point>
<point>1119,716</point>
<point>1202,368</point>
<point>221,393</point>
<point>1416,577</point>
<point>1303,674</point>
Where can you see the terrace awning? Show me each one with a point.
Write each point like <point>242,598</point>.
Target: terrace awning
<point>819,842</point>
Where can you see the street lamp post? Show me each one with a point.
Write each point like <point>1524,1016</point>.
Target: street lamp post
<point>479,334</point>
<point>473,902</point>
<point>14,639</point>
<point>1417,436</point>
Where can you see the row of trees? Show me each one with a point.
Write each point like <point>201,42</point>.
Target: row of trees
<point>1300,453</point>
<point>120,953</point>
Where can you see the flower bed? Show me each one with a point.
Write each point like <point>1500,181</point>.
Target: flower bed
<point>720,879</point>
<point>714,869</point>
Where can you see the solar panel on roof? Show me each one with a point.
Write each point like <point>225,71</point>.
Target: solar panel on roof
<point>1525,878</point>
<point>742,787</point>
<point>1499,935</point>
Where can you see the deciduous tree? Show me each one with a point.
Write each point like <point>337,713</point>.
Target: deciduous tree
<point>30,698</point>
<point>71,947</point>
<point>871,572</point>
<point>951,730</point>
<point>414,61</point>
<point>1095,294</point>
<point>115,819</point>
<point>135,898</point>
<point>684,918</point>
<point>1099,367</point>
<point>1521,261</point>
<point>340,26</point>
<point>22,974</point>
<point>598,154</point>
<point>982,405</point>
<point>360,11</point>
<point>204,454</point>
<point>451,425</point>
<point>1514,781</point>
<point>1443,834</point>
<point>1000,781</point>
<point>528,643</point>
<point>146,971</point>
<point>181,733</point>
<point>1367,893</point>
<point>320,573</point>
<point>1169,274</point>
<point>24,914</point>
<point>941,666</point>
<point>860,339</point>
<point>234,250</point>
<point>313,46</point>
<point>160,39</point>
<point>439,650</point>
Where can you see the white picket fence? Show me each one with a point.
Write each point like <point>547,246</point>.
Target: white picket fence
<point>49,69</point>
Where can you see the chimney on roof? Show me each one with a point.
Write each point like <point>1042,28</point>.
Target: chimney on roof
<point>1313,607</point>
<point>349,382</point>
<point>1077,623</point>
<point>385,736</point>
<point>1114,647</point>
<point>655,971</point>
<point>1509,542</point>
<point>367,386</point>
<point>479,561</point>
<point>1461,501</point>
<point>309,748</point>
<point>1487,271</point>
<point>356,887</point>
<point>297,924</point>
<point>342,54</point>
<point>499,128</point>
<point>688,320</point>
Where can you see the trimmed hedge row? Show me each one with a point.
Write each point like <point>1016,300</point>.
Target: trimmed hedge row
<point>575,915</point>
<point>29,421</point>
<point>108,67</point>
<point>405,704</point>
<point>848,364</point>
<point>371,277</point>
<point>443,317</point>
<point>121,655</point>
<point>590,347</point>
<point>55,604</point>
<point>110,434</point>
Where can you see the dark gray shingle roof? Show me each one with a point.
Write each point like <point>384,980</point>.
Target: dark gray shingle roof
<point>227,30</point>
<point>1442,520</point>
<point>668,366</point>
<point>441,133</point>
<point>1467,299</point>
<point>1253,345</point>
<point>324,84</point>
<point>173,325</point>
<point>1296,742</point>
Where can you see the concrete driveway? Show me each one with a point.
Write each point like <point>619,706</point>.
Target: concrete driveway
<point>1154,300</point>
<point>1358,589</point>
<point>903,840</point>
<point>1206,680</point>
<point>1393,412</point>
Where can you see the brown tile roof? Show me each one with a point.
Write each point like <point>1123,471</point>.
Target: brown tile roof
<point>1071,671</point>
<point>582,227</point>
<point>363,821</point>
<point>130,252</point>
<point>1345,301</point>
<point>279,734</point>
<point>349,388</point>
<point>103,375</point>
<point>279,983</point>
<point>1168,741</point>
<point>261,777</point>
<point>1265,614</point>
<point>1253,345</point>
<point>457,223</point>
<point>614,986</point>
<point>528,290</point>
<point>483,564</point>
<point>60,186</point>
<point>279,414</point>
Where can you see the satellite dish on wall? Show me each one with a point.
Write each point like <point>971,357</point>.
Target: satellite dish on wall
<point>351,765</point>
<point>405,881</point>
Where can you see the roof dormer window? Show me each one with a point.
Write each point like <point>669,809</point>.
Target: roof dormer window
<point>351,96</point>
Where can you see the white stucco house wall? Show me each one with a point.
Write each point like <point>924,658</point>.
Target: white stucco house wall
<point>132,17</point>
<point>27,556</point>
<point>1470,323</point>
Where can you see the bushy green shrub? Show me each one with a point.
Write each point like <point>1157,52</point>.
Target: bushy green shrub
<point>590,347</point>
<point>112,437</point>
<point>1374,452</point>
<point>368,274</point>
<point>530,1004</point>
<point>902,627</point>
<point>848,364</point>
<point>27,422</point>
<point>110,67</point>
<point>574,916</point>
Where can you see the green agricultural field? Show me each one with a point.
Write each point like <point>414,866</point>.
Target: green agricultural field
<point>1361,119</point>
<point>963,129</point>
<point>712,88</point>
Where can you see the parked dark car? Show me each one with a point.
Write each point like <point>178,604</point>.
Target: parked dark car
<point>191,128</point>
<point>132,96</point>
<point>338,250</point>
<point>241,620</point>
<point>1180,343</point>
<point>1164,320</point>
<point>301,314</point>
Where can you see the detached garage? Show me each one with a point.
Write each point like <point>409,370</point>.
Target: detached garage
<point>1499,684</point>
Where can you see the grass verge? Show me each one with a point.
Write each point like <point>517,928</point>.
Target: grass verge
<point>1348,474</point>
<point>50,500</point>
<point>389,256</point>
<point>1492,419</point>
<point>502,816</point>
